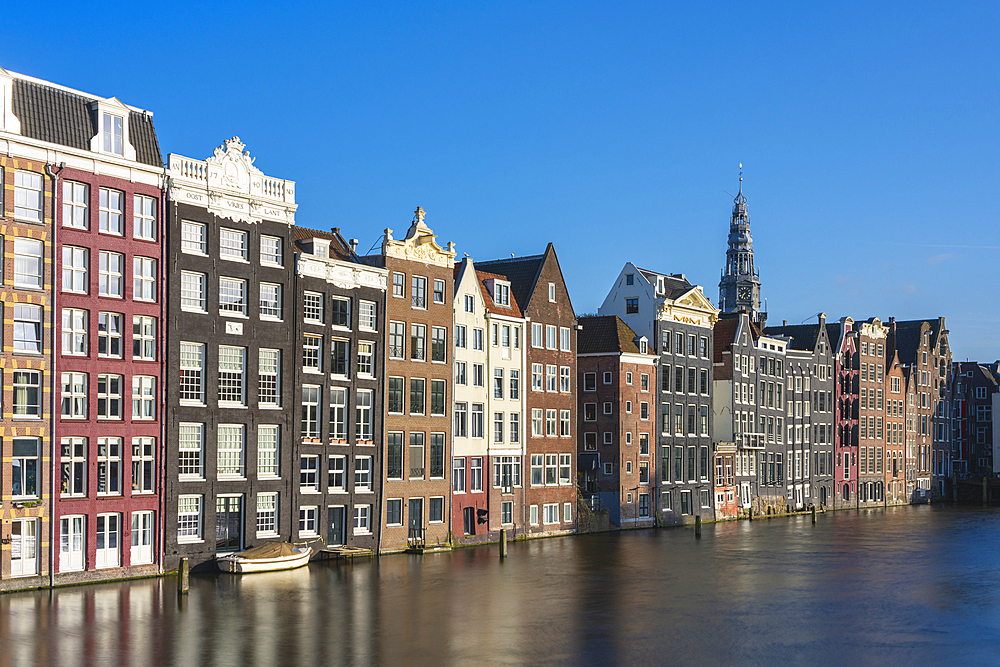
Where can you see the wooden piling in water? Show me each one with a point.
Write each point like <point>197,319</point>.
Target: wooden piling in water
<point>503,544</point>
<point>183,576</point>
<point>814,513</point>
<point>697,526</point>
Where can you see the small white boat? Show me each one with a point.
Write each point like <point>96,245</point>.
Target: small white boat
<point>267,557</point>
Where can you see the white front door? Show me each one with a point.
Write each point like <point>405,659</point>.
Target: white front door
<point>142,538</point>
<point>108,540</point>
<point>71,543</point>
<point>23,548</point>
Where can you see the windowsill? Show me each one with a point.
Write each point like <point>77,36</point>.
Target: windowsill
<point>338,376</point>
<point>359,531</point>
<point>194,404</point>
<point>27,353</point>
<point>363,491</point>
<point>238,260</point>
<point>231,478</point>
<point>306,320</point>
<point>190,541</point>
<point>270,318</point>
<point>65,418</point>
<point>111,296</point>
<point>272,265</point>
<point>268,406</point>
<point>229,313</point>
<point>367,330</point>
<point>70,498</point>
<point>336,490</point>
<point>26,417</point>
<point>109,419</point>
<point>200,311</point>
<point>189,478</point>
<point>312,371</point>
<point>310,492</point>
<point>232,405</point>
<point>143,493</point>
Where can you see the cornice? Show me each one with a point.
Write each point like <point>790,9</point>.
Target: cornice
<point>342,274</point>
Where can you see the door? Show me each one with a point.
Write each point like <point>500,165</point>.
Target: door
<point>142,538</point>
<point>822,495</point>
<point>23,548</point>
<point>416,521</point>
<point>469,519</point>
<point>71,543</point>
<point>228,524</point>
<point>335,534</point>
<point>108,531</point>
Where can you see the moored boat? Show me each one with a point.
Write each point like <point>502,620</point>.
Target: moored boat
<point>266,557</point>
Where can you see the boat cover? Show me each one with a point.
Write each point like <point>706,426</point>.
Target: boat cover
<point>269,550</point>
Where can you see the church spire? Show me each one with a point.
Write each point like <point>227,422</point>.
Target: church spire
<point>739,288</point>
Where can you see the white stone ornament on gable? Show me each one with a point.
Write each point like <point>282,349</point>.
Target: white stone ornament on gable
<point>229,185</point>
<point>420,244</point>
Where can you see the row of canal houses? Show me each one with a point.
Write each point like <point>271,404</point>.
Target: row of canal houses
<point>188,372</point>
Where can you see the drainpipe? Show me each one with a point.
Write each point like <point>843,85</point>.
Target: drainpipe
<point>53,469</point>
<point>161,522</point>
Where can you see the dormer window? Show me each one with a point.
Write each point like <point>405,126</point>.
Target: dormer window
<point>501,294</point>
<point>659,286</point>
<point>111,134</point>
<point>643,347</point>
<point>321,248</point>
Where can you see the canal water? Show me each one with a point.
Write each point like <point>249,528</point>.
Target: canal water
<point>912,585</point>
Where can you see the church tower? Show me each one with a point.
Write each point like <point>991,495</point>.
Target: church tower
<point>739,288</point>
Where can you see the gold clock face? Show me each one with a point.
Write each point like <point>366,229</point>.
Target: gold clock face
<point>743,293</point>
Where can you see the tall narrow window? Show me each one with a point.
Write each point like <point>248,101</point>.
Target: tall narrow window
<point>267,451</point>
<point>73,470</point>
<point>231,365</point>
<point>230,450</point>
<point>271,252</point>
<point>109,396</point>
<point>394,456</point>
<point>270,301</point>
<point>268,370</point>
<point>143,468</point>
<point>74,331</point>
<point>144,217</point>
<point>338,413</point>
<point>310,411</point>
<point>192,367</point>
<point>28,262</point>
<point>366,358</point>
<point>143,397</point>
<point>109,335</point>
<point>143,338</point>
<point>112,138</point>
<point>397,332</point>
<point>74,396</point>
<point>191,440</point>
<point>75,269</point>
<point>111,211</point>
<point>232,296</point>
<point>363,415</point>
<point>367,316</point>
<point>76,205</point>
<point>109,461</point>
<point>193,292</point>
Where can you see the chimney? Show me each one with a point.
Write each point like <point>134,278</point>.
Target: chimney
<point>336,230</point>
<point>784,323</point>
<point>354,246</point>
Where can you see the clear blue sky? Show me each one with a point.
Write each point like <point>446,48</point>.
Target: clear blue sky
<point>869,135</point>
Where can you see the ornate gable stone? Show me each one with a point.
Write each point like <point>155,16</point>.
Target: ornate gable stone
<point>419,245</point>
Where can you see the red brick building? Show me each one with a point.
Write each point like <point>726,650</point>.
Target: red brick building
<point>550,445</point>
<point>616,392</point>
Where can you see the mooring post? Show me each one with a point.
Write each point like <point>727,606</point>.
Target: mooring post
<point>985,491</point>
<point>954,487</point>
<point>697,526</point>
<point>503,544</point>
<point>183,576</point>
<point>814,513</point>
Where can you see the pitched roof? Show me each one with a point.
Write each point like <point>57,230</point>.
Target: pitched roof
<point>64,118</point>
<point>803,336</point>
<point>522,272</point>
<point>674,287</point>
<point>338,246</point>
<point>907,340</point>
<point>605,334</point>
<point>723,335</point>
<point>483,276</point>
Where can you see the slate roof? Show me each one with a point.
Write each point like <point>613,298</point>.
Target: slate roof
<point>61,117</point>
<point>674,287</point>
<point>803,336</point>
<point>605,334</point>
<point>482,276</point>
<point>907,338</point>
<point>339,249</point>
<point>522,272</point>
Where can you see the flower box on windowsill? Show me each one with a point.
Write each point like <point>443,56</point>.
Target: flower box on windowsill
<point>338,441</point>
<point>366,442</point>
<point>311,440</point>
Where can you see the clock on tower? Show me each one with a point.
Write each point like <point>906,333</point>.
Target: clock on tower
<point>744,293</point>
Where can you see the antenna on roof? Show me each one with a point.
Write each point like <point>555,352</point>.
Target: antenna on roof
<point>810,317</point>
<point>377,243</point>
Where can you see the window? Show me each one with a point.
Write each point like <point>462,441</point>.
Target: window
<point>232,296</point>
<point>394,512</point>
<point>193,292</point>
<point>477,339</point>
<point>363,414</point>
<point>28,261</point>
<point>564,379</point>
<point>190,441</point>
<point>536,377</point>
<point>27,329</point>
<point>478,373</point>
<point>232,244</point>
<point>194,238</point>
<point>419,292</point>
<point>564,339</point>
<point>270,301</point>
<point>417,392</point>
<point>631,306</point>
<point>74,331</point>
<point>501,293</point>
<point>498,423</point>
<point>437,456</point>
<point>394,395</point>
<point>550,422</point>
<point>550,337</point>
<point>460,331</point>
<point>458,475</point>
<point>230,460</point>
<point>398,285</point>
<point>143,397</point>
<point>307,520</point>
<point>362,518</point>
<point>74,269</point>
<point>75,205</point>
<point>418,341</point>
<point>439,337</point>
<point>310,411</point>
<point>312,352</point>
<point>551,383</point>
<point>363,473</point>
<point>143,217</point>
<point>337,474</point>
<point>267,514</point>
<point>144,338</point>
<point>416,455</point>
<point>436,510</point>
<point>110,211</point>
<point>515,384</point>
<point>231,364</point>
<point>28,195</point>
<point>340,351</point>
<point>551,513</point>
<point>109,335</point>
<point>271,252</point>
<point>192,381</point>
<point>565,468</point>
<point>536,335</point>
<point>338,413</point>
<point>552,292</point>
<point>312,307</point>
<point>268,385</point>
<point>564,422</point>
<point>267,451</point>
<point>143,468</point>
<point>394,456</point>
<point>109,396</point>
<point>438,291</point>
<point>437,397</point>
<point>461,420</point>
<point>536,421</point>
<point>109,460</point>
<point>189,519</point>
<point>478,421</point>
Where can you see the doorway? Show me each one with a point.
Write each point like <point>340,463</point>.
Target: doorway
<point>335,534</point>
<point>228,524</point>
<point>23,547</point>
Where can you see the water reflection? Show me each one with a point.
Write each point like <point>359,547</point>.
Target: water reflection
<point>897,585</point>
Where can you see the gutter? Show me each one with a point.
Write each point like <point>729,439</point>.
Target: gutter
<point>53,459</point>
